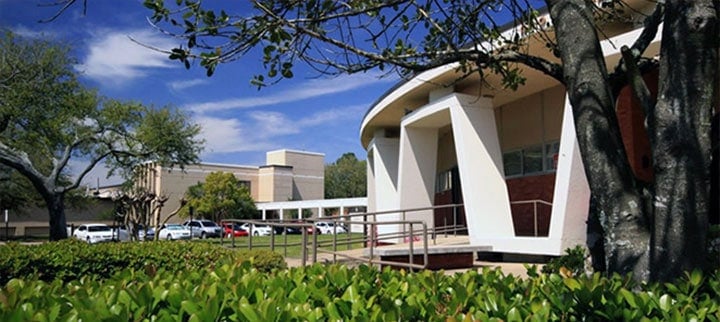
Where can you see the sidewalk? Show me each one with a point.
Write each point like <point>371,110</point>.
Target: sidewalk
<point>517,269</point>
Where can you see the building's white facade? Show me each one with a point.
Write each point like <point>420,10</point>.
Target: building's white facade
<point>513,151</point>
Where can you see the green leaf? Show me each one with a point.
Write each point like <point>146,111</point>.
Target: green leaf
<point>572,284</point>
<point>629,297</point>
<point>514,315</point>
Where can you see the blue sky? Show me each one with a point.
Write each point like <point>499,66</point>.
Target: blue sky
<point>240,123</point>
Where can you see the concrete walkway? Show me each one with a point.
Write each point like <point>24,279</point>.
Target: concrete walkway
<point>517,269</point>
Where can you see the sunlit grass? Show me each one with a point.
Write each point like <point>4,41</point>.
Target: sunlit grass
<point>291,245</point>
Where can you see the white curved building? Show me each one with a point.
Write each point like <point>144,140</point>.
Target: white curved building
<point>435,139</point>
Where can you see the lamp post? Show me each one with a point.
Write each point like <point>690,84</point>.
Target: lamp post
<point>7,228</point>
<point>190,210</point>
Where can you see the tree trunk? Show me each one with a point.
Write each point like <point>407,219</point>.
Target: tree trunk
<point>618,199</point>
<point>56,210</point>
<point>680,136</point>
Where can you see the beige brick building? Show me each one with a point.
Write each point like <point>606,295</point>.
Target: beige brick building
<point>287,175</point>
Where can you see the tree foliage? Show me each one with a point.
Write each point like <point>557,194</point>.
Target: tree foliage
<point>47,118</point>
<point>221,196</point>
<point>15,190</point>
<point>654,230</point>
<point>346,177</point>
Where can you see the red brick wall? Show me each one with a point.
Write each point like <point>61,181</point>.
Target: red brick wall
<point>531,188</point>
<point>631,120</point>
<point>445,215</point>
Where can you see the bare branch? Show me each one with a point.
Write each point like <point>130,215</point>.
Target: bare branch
<point>638,86</point>
<point>65,5</point>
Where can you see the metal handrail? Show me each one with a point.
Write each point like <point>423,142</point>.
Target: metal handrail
<point>370,237</point>
<point>535,214</point>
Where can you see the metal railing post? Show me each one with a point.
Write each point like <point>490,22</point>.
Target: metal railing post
<point>304,248</point>
<point>315,248</point>
<point>335,241</point>
<point>445,226</point>
<point>372,242</point>
<point>272,237</point>
<point>535,218</point>
<point>455,228</point>
<point>286,244</point>
<point>425,245</point>
<point>412,255</point>
<point>250,235</point>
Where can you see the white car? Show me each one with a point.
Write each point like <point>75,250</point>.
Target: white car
<point>329,227</point>
<point>203,228</point>
<point>174,232</point>
<point>94,233</point>
<point>257,229</point>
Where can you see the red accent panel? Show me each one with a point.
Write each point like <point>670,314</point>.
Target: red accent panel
<point>631,119</point>
<point>531,188</point>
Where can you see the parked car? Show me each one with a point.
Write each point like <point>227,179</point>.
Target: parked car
<point>174,232</point>
<point>329,227</point>
<point>292,230</point>
<point>203,228</point>
<point>230,229</point>
<point>94,233</point>
<point>257,229</point>
<point>120,234</point>
<point>146,233</point>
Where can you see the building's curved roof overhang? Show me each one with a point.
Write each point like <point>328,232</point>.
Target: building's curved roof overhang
<point>388,111</point>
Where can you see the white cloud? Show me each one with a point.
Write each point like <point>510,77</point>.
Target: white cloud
<point>114,58</point>
<point>230,135</point>
<point>263,129</point>
<point>26,32</point>
<point>180,85</point>
<point>306,90</point>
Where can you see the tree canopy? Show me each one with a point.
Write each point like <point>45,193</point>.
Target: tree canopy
<point>346,177</point>
<point>47,118</point>
<point>655,230</point>
<point>221,196</point>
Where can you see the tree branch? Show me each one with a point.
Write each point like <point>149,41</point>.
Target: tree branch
<point>638,86</point>
<point>20,162</point>
<point>545,66</point>
<point>651,25</point>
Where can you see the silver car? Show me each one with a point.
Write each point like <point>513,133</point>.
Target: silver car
<point>174,232</point>
<point>203,228</point>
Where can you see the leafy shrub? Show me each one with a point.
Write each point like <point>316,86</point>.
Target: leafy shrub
<point>264,260</point>
<point>714,245</point>
<point>71,259</point>
<point>238,292</point>
<point>573,261</point>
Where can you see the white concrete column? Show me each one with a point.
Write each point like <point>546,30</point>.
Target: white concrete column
<point>282,214</point>
<point>264,214</point>
<point>571,198</point>
<point>417,170</point>
<point>385,173</point>
<point>320,212</point>
<point>370,177</point>
<point>385,169</point>
<point>300,214</point>
<point>487,205</point>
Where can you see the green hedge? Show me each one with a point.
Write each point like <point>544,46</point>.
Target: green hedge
<point>71,259</point>
<point>237,292</point>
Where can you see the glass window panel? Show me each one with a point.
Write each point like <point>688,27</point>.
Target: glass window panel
<point>533,159</point>
<point>512,162</point>
<point>551,155</point>
<point>443,182</point>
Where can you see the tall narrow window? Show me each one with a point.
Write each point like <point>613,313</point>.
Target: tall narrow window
<point>551,155</point>
<point>512,162</point>
<point>533,159</point>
